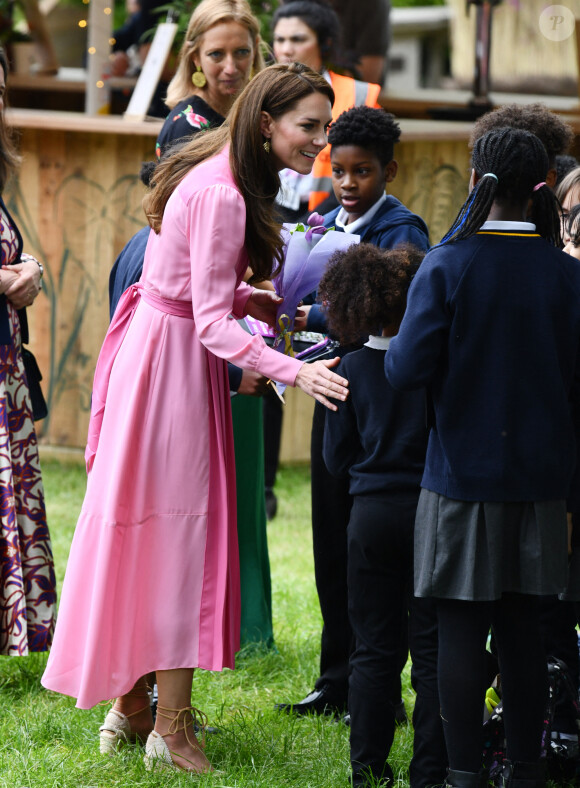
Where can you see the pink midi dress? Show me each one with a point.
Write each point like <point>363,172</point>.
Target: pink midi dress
<point>152,581</point>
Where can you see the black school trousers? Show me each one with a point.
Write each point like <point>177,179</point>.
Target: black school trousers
<point>331,505</point>
<point>380,598</point>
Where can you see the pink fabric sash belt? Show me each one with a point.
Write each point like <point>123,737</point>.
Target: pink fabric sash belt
<point>112,342</point>
<point>169,305</point>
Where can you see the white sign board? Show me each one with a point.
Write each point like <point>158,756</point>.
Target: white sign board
<point>151,71</point>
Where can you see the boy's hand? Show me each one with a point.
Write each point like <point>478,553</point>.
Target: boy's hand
<point>301,318</point>
<point>253,384</point>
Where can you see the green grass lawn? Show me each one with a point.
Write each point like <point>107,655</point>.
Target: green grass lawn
<point>45,742</point>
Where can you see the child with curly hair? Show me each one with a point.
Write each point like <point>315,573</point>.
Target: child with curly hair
<point>554,133</point>
<point>378,441</point>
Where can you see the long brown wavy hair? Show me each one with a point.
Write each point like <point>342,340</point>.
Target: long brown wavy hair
<point>9,157</point>
<point>275,90</point>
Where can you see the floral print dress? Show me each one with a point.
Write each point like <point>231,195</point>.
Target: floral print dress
<point>188,118</point>
<point>27,580</point>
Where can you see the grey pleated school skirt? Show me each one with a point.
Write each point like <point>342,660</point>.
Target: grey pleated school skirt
<point>478,551</point>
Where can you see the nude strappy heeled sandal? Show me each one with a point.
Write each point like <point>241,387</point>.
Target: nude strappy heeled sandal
<point>116,729</point>
<point>158,754</point>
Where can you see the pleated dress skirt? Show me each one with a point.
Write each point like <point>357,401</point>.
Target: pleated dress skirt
<point>478,551</point>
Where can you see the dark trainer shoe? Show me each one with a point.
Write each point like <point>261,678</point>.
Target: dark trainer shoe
<point>320,701</point>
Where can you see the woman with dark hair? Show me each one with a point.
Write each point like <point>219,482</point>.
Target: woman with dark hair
<point>307,31</point>
<point>28,589</point>
<point>317,45</point>
<point>160,499</point>
<point>223,40</point>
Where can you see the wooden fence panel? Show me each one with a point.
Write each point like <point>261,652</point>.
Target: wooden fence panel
<point>77,201</point>
<point>522,57</point>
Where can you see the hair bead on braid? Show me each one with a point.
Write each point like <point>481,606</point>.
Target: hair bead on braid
<point>511,165</point>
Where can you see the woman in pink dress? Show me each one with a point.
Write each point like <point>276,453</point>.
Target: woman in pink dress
<point>152,581</point>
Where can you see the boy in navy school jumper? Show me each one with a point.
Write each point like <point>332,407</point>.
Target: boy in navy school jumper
<point>379,439</point>
<point>362,141</point>
<point>492,328</point>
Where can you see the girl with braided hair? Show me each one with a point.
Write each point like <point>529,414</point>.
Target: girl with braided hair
<point>492,331</point>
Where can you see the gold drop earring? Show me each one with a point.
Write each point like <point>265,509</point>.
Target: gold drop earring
<point>267,147</point>
<point>198,78</point>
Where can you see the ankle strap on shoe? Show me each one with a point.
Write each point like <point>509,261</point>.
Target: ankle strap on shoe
<point>178,716</point>
<point>144,692</point>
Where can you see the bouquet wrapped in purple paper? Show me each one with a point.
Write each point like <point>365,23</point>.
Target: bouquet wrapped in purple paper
<point>307,250</point>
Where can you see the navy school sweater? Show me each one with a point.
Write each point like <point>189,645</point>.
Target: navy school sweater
<point>492,328</point>
<point>378,436</point>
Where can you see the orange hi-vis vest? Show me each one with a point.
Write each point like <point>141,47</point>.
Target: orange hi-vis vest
<point>348,92</point>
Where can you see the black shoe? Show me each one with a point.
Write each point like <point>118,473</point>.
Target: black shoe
<point>520,774</point>
<point>271,503</point>
<point>320,701</point>
<point>457,779</point>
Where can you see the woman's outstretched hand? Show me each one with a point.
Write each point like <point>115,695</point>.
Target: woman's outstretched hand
<point>317,380</point>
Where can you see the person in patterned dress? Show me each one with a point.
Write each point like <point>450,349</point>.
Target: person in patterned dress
<point>28,587</point>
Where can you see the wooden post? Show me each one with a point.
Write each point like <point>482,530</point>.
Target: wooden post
<point>482,52</point>
<point>47,62</point>
<point>100,32</point>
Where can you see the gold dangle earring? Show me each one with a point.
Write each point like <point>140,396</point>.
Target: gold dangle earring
<point>198,78</point>
<point>267,147</point>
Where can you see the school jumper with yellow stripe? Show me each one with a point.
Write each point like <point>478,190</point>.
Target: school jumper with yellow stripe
<point>492,330</point>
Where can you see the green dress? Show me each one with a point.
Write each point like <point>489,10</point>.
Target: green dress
<point>255,580</point>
